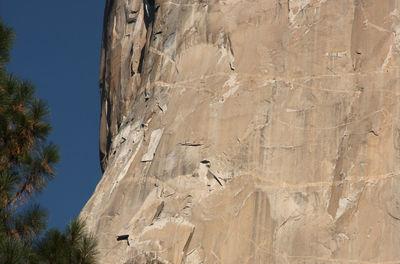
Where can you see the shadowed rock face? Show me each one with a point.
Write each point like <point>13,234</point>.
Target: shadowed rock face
<point>262,131</point>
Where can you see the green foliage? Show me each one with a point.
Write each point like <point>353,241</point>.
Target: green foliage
<point>74,246</point>
<point>26,164</point>
<point>13,251</point>
<point>29,223</point>
<point>25,157</point>
<point>51,248</point>
<point>26,160</point>
<point>6,39</point>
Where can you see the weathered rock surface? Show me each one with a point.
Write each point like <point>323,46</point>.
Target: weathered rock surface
<point>260,131</point>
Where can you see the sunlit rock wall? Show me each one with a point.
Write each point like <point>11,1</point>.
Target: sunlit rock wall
<point>258,131</point>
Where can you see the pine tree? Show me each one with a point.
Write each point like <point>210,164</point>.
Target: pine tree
<point>74,246</point>
<point>6,39</point>
<point>26,165</point>
<point>26,160</point>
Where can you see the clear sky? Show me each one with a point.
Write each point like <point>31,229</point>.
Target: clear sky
<point>57,47</point>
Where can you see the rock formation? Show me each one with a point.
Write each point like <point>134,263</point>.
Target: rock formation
<point>259,131</point>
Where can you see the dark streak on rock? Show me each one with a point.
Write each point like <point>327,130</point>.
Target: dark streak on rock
<point>158,212</point>
<point>394,217</point>
<point>374,133</point>
<point>191,144</point>
<point>186,247</point>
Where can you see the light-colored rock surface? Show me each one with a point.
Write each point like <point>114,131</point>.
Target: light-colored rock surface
<point>259,131</point>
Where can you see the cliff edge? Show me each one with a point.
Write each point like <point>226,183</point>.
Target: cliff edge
<point>260,131</point>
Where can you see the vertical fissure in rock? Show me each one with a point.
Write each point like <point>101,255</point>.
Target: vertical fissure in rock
<point>149,12</point>
<point>140,66</point>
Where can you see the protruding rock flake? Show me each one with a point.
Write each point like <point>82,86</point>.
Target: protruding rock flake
<point>262,131</point>
<point>154,141</point>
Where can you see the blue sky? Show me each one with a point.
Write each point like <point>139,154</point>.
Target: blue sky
<point>57,47</point>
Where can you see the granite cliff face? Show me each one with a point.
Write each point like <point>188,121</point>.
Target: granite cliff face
<point>259,131</point>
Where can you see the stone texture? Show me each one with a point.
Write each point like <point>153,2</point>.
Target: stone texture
<point>260,131</point>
